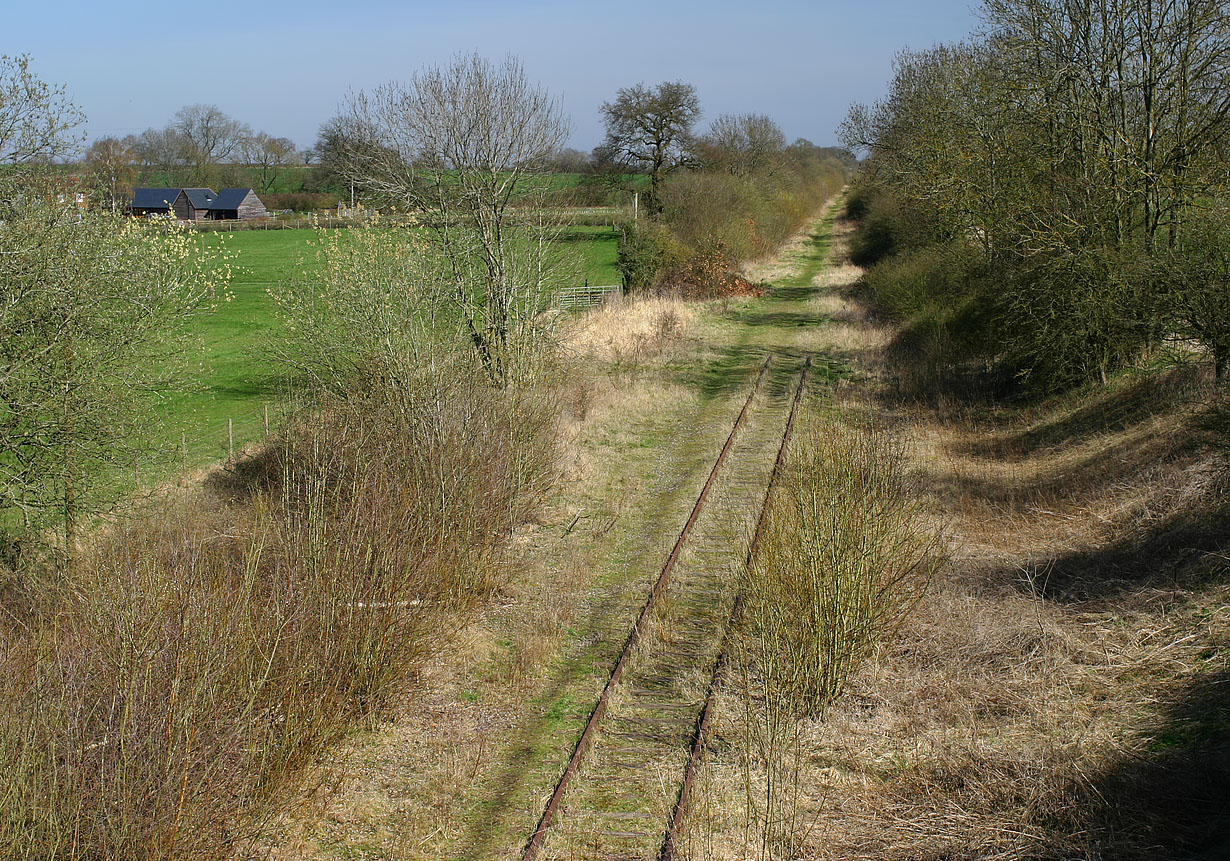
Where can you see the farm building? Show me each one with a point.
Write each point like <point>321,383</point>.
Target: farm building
<point>198,204</point>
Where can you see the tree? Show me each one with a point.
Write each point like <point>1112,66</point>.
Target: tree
<point>110,162</point>
<point>163,150</point>
<point>268,155</point>
<point>192,148</point>
<point>1073,143</point>
<point>650,129</point>
<point>571,161</point>
<point>466,148</point>
<point>36,118</point>
<point>213,136</point>
<point>95,308</point>
<point>743,144</point>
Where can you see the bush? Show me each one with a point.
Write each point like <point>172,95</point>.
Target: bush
<point>1193,285</point>
<point>842,558</point>
<point>646,250</point>
<point>1068,317</point>
<point>176,684</point>
<point>176,681</point>
<point>713,210</point>
<point>929,281</point>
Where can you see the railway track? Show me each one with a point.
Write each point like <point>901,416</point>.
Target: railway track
<point>625,790</point>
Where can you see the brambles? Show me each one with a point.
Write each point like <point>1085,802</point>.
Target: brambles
<point>181,677</point>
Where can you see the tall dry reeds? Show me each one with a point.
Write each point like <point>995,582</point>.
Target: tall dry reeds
<point>166,696</point>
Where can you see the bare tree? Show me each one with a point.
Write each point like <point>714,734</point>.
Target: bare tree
<point>36,118</point>
<point>743,144</point>
<point>110,161</point>
<point>163,150</point>
<point>214,136</point>
<point>459,146</point>
<point>268,155</point>
<point>571,161</point>
<point>650,129</point>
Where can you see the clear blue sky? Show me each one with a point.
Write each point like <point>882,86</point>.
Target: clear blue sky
<point>283,67</point>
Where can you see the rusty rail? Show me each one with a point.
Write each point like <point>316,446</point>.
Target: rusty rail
<point>670,846</point>
<point>540,833</point>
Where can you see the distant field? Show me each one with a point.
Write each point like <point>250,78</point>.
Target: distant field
<point>238,379</point>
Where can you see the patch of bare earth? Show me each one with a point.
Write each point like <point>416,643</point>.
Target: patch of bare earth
<point>1063,691</point>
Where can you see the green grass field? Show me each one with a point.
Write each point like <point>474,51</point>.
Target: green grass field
<point>237,378</point>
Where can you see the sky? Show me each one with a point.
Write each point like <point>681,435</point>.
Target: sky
<point>284,67</point>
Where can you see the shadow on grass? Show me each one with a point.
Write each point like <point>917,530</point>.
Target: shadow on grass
<point>734,369</point>
<point>1130,403</point>
<point>250,474</point>
<point>1099,472</point>
<point>1187,550</point>
<point>779,319</point>
<point>1171,800</point>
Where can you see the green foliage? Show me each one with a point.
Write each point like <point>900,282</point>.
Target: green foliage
<point>927,282</point>
<point>178,680</point>
<point>1193,283</point>
<point>98,312</point>
<point>234,378</point>
<point>877,237</point>
<point>721,218</point>
<point>456,146</point>
<point>646,250</point>
<point>1067,318</point>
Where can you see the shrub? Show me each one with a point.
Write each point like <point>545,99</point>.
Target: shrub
<point>177,682</point>
<point>933,280</point>
<point>646,250</point>
<point>714,210</point>
<point>1071,316</point>
<point>843,557</point>
<point>1193,283</point>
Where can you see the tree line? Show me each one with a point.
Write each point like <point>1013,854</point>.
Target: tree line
<point>714,199</point>
<point>1044,202</point>
<point>201,147</point>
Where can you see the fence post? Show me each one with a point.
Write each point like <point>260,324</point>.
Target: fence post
<point>266,421</point>
<point>230,438</point>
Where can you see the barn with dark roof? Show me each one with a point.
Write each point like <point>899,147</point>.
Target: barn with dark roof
<point>198,204</point>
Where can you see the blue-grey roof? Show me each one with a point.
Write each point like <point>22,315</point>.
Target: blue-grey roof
<point>230,198</point>
<point>154,198</point>
<point>201,198</point>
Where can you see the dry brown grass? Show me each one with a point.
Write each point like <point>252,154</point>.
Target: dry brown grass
<point>407,789</point>
<point>1064,690</point>
<point>631,331</point>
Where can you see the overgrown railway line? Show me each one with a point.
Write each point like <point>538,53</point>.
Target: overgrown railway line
<point>624,791</point>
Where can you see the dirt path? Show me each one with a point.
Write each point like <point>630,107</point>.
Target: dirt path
<point>464,769</point>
